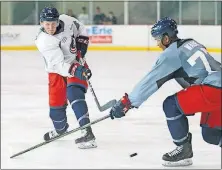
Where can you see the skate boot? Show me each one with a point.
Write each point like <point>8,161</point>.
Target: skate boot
<point>87,141</point>
<point>52,134</point>
<point>181,156</point>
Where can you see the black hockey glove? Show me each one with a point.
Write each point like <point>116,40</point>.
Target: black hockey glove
<point>121,107</point>
<point>82,44</point>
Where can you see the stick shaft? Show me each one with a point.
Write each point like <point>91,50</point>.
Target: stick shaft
<point>105,106</point>
<point>60,136</point>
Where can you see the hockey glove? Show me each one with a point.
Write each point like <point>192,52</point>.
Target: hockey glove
<point>82,44</point>
<point>80,71</point>
<point>121,107</point>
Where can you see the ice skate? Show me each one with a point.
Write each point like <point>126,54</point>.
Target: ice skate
<point>52,134</point>
<point>181,156</point>
<point>87,141</point>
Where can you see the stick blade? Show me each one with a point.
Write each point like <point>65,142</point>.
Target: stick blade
<point>108,105</point>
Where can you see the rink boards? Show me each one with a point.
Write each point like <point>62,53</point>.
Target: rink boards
<point>113,38</point>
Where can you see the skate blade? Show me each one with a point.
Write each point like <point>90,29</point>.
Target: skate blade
<point>185,162</point>
<point>87,145</point>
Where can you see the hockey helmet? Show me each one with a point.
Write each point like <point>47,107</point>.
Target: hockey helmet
<point>165,26</point>
<point>49,14</point>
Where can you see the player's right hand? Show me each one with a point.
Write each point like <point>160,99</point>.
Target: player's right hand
<point>121,107</point>
<point>79,71</point>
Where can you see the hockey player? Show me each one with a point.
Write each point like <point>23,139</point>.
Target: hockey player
<point>198,73</point>
<point>58,41</point>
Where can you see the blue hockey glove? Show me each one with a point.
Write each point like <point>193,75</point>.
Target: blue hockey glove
<point>80,71</point>
<point>121,107</point>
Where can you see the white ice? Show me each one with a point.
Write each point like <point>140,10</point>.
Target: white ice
<point>24,117</point>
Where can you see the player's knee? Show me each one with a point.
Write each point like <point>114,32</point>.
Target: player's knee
<point>76,97</point>
<point>170,107</point>
<point>74,93</point>
<point>212,136</point>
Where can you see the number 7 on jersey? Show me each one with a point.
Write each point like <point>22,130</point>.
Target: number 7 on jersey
<point>201,55</point>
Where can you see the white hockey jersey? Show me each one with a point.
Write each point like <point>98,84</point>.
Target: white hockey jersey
<point>56,48</point>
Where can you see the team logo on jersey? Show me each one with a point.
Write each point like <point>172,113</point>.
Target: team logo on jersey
<point>73,49</point>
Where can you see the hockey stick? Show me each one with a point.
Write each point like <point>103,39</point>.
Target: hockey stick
<point>106,106</point>
<point>60,136</point>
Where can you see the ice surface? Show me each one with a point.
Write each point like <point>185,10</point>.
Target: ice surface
<point>24,117</point>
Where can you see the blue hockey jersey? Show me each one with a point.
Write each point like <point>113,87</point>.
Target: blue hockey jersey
<point>186,59</point>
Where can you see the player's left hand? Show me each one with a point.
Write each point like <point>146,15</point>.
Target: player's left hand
<point>121,107</point>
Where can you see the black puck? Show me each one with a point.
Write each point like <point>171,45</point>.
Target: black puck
<point>134,154</point>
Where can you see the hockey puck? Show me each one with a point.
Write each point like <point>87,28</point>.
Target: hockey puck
<point>134,154</point>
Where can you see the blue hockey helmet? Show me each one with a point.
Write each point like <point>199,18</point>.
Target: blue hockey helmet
<point>49,14</point>
<point>165,26</point>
